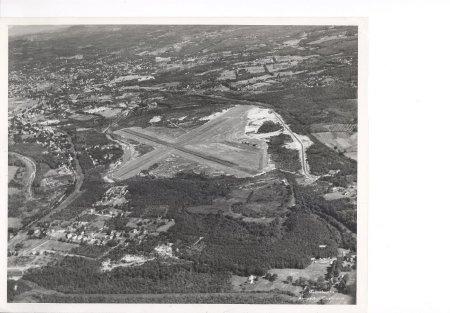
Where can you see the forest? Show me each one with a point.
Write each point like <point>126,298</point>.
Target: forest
<point>230,246</point>
<point>78,275</point>
<point>251,248</point>
<point>322,159</point>
<point>339,213</point>
<point>284,158</point>
<point>268,127</point>
<point>181,191</point>
<point>222,298</point>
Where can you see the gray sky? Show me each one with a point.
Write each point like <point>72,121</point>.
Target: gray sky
<point>20,30</point>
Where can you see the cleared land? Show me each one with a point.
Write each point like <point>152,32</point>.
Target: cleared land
<point>208,145</point>
<point>340,137</point>
<point>11,172</point>
<point>31,172</point>
<point>313,271</point>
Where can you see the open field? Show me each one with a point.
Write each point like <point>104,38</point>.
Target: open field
<point>11,172</point>
<point>342,141</point>
<point>20,104</point>
<point>31,172</point>
<point>313,271</point>
<point>216,144</point>
<point>240,283</point>
<point>14,222</point>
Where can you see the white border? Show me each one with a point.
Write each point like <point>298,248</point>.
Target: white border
<point>361,305</point>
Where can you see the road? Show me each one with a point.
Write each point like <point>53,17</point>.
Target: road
<point>79,179</point>
<point>302,153</point>
<point>31,167</point>
<point>58,206</point>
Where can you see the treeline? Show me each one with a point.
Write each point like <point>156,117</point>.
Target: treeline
<point>94,143</point>
<point>15,288</point>
<point>181,191</point>
<point>268,127</point>
<point>90,251</point>
<point>329,104</point>
<point>224,298</point>
<point>284,158</point>
<point>341,210</point>
<point>322,159</point>
<point>35,152</point>
<point>251,248</point>
<point>78,275</point>
<point>229,246</point>
<point>92,190</point>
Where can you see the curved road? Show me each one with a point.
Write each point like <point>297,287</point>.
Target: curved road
<point>302,154</point>
<point>60,205</point>
<point>31,166</point>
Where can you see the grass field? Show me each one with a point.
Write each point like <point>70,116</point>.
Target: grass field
<point>341,141</point>
<point>11,172</point>
<point>240,283</point>
<point>14,222</point>
<point>313,271</point>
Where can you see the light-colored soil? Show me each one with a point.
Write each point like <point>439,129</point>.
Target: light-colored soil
<point>334,195</point>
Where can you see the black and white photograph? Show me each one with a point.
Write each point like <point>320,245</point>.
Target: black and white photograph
<point>183,164</point>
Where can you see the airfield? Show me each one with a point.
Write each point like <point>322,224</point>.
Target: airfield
<point>220,144</point>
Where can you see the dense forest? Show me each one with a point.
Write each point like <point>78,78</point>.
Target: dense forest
<point>268,127</point>
<point>251,248</point>
<point>78,275</point>
<point>322,159</point>
<point>230,246</point>
<point>231,298</point>
<point>284,158</point>
<point>181,191</point>
<point>342,210</point>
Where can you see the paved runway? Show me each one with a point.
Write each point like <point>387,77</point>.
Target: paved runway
<point>198,145</point>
